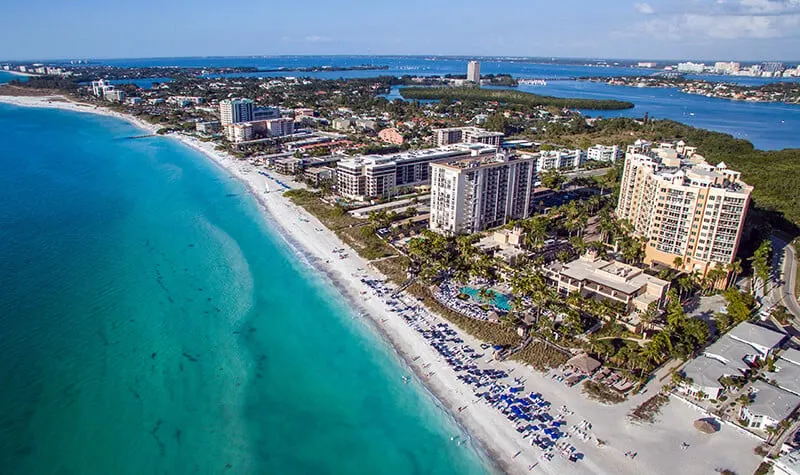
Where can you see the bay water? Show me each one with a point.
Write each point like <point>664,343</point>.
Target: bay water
<point>769,126</point>
<point>153,321</point>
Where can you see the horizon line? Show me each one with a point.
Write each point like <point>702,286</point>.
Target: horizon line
<point>436,56</point>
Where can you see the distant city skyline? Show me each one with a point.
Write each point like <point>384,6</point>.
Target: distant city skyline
<point>744,30</point>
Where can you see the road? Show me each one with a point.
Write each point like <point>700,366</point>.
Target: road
<point>780,290</point>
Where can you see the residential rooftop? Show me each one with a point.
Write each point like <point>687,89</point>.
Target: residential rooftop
<point>731,354</point>
<point>755,334</point>
<point>694,171</point>
<point>786,375</point>
<point>772,402</point>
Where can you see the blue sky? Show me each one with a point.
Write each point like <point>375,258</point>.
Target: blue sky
<point>670,29</point>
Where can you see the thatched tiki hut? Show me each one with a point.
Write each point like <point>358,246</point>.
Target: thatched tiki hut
<point>706,426</point>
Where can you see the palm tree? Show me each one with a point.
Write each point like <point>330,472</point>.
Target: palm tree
<point>575,300</point>
<point>603,348</point>
<point>678,262</point>
<point>608,227</point>
<point>652,352</point>
<point>637,360</point>
<point>578,244</point>
<point>485,295</point>
<point>760,262</point>
<point>734,269</point>
<point>716,274</point>
<point>598,246</point>
<point>744,400</point>
<point>684,284</point>
<point>632,251</point>
<point>649,316</point>
<point>535,231</point>
<point>593,203</point>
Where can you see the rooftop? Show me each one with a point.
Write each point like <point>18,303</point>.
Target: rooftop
<point>440,153</point>
<point>695,171</point>
<point>706,372</point>
<point>476,131</point>
<point>790,462</point>
<point>584,362</point>
<point>791,355</point>
<point>728,356</point>
<point>786,376</point>
<point>615,275</point>
<point>758,335</point>
<point>491,159</point>
<point>772,402</point>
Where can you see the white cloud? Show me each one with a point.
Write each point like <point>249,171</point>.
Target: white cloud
<point>644,8</point>
<point>720,19</point>
<point>317,39</point>
<point>767,7</point>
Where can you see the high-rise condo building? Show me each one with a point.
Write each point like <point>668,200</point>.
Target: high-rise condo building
<point>683,207</point>
<point>381,176</point>
<point>471,194</point>
<point>474,71</point>
<point>232,111</point>
<point>453,135</point>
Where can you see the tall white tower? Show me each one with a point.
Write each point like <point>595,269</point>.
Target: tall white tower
<point>474,71</point>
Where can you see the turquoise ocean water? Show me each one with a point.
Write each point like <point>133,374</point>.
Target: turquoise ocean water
<point>151,321</point>
<point>8,77</point>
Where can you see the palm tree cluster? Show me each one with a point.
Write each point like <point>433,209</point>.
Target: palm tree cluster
<point>620,232</point>
<point>437,257</point>
<point>761,264</point>
<point>680,337</point>
<point>739,308</point>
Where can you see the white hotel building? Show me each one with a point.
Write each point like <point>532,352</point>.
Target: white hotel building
<point>244,131</point>
<point>474,72</point>
<point>471,194</point>
<point>380,176</point>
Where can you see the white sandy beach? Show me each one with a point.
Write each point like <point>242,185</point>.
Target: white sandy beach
<point>658,445</point>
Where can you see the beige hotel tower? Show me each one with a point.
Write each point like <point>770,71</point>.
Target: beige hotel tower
<point>682,206</point>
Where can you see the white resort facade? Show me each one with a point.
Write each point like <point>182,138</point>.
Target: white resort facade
<point>382,176</point>
<point>471,194</point>
<point>557,159</point>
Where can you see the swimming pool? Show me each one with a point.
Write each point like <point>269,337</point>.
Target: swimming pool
<point>501,301</point>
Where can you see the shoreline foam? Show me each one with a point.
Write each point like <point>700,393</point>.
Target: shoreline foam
<point>658,445</point>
